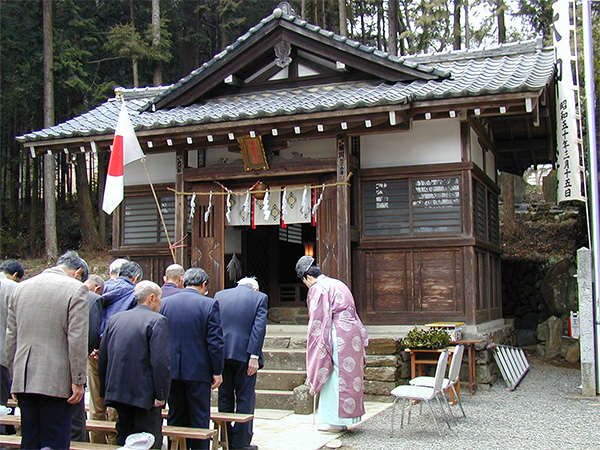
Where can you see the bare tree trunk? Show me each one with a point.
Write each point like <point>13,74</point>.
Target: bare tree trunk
<point>49,161</point>
<point>303,9</point>
<point>90,239</point>
<point>134,69</point>
<point>500,8</point>
<point>393,26</point>
<point>362,22</point>
<point>102,158</point>
<point>343,17</point>
<point>405,26</point>
<point>467,31</point>
<point>34,204</point>
<point>157,78</point>
<point>456,28</point>
<point>379,25</point>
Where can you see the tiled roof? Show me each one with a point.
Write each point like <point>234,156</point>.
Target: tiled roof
<point>523,67</point>
<point>292,18</point>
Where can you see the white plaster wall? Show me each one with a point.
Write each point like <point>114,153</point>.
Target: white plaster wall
<point>160,166</point>
<point>429,142</point>
<point>490,165</point>
<point>315,148</point>
<point>476,150</point>
<point>193,158</point>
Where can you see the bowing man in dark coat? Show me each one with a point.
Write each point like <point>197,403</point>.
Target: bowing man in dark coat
<point>244,320</point>
<point>196,346</point>
<point>173,280</point>
<point>134,365</point>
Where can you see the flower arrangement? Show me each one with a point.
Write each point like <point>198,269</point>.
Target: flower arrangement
<point>430,338</point>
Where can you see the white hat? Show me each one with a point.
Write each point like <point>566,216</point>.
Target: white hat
<point>137,441</point>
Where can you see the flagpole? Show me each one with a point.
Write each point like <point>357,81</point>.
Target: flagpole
<point>162,219</point>
<point>588,61</point>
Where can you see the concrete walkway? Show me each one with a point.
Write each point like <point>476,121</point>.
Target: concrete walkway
<point>545,412</point>
<point>282,430</point>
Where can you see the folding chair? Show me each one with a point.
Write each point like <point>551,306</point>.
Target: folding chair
<point>422,393</point>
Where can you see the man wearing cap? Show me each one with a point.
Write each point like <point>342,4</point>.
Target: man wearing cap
<point>173,280</point>
<point>244,317</point>
<point>46,347</point>
<point>134,365</point>
<point>196,348</point>
<point>335,348</point>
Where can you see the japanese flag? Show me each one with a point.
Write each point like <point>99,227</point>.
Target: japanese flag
<point>125,149</point>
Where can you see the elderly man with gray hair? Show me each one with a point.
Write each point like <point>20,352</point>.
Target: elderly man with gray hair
<point>173,280</point>
<point>134,365</point>
<point>197,356</point>
<point>244,318</point>
<point>46,346</point>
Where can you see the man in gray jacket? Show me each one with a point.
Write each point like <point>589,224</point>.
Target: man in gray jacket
<point>49,314</point>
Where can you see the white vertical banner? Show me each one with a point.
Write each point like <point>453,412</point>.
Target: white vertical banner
<point>292,204</point>
<point>569,164</point>
<point>268,210</point>
<point>239,214</point>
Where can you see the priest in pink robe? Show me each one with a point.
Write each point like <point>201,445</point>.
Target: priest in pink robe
<point>335,348</point>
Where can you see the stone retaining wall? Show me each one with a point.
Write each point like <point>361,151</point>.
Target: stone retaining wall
<point>388,365</point>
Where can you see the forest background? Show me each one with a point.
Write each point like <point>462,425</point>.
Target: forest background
<point>100,44</point>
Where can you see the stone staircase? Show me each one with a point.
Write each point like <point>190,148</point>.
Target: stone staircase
<point>285,369</point>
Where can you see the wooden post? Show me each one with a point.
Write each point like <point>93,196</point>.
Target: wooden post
<point>180,206</point>
<point>343,211</point>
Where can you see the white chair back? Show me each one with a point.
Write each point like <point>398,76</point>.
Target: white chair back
<point>455,364</point>
<point>440,371</point>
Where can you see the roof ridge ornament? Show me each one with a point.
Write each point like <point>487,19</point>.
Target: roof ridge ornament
<point>282,53</point>
<point>286,8</point>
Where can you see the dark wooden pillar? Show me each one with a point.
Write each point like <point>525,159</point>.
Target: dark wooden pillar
<point>343,211</point>
<point>180,209</point>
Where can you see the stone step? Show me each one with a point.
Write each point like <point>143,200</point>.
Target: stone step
<point>279,342</point>
<point>274,379</point>
<point>272,399</point>
<point>285,359</point>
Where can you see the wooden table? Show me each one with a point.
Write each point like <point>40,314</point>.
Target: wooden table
<point>470,344</point>
<point>421,357</point>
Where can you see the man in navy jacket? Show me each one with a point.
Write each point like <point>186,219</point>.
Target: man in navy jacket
<point>244,318</point>
<point>196,348</point>
<point>133,365</point>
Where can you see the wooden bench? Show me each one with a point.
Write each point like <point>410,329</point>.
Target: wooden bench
<point>177,435</point>
<point>14,441</point>
<point>220,420</point>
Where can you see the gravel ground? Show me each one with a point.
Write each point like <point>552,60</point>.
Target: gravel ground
<point>546,411</point>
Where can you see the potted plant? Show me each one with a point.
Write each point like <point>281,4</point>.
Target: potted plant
<point>426,338</point>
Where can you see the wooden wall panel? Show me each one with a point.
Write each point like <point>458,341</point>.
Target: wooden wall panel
<point>208,238</point>
<point>327,234</point>
<point>441,285</point>
<point>390,282</point>
<point>410,286</point>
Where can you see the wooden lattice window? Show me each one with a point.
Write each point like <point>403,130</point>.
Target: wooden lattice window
<point>141,221</point>
<point>486,222</point>
<point>412,206</point>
